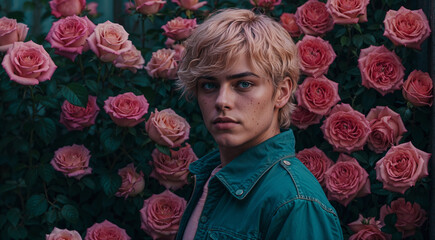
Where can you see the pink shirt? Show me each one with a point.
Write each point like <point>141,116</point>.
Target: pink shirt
<point>192,225</point>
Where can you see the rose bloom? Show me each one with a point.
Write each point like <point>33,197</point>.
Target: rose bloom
<point>370,233</point>
<point>362,223</point>
<point>418,89</point>
<point>108,41</point>
<point>179,51</point>
<point>92,8</point>
<point>387,128</point>
<point>172,171</point>
<point>315,55</point>
<point>106,230</point>
<point>68,36</point>
<point>266,4</point>
<point>27,63</point>
<point>10,32</point>
<point>132,184</point>
<point>402,167</point>
<point>317,95</point>
<point>410,216</point>
<point>406,27</point>
<point>348,12</point>
<point>63,234</point>
<point>166,128</point>
<point>313,18</point>
<point>128,7</point>
<point>64,8</point>
<point>381,69</point>
<point>127,109</point>
<point>316,161</point>
<point>190,4</point>
<point>149,7</point>
<point>288,22</point>
<point>346,129</point>
<point>72,161</point>
<point>179,28</point>
<point>131,60</point>
<point>161,215</point>
<point>346,180</point>
<point>302,118</point>
<point>163,64</point>
<point>77,118</point>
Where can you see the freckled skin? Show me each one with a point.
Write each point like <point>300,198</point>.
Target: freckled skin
<point>234,98</point>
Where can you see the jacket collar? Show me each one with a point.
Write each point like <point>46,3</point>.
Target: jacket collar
<point>240,175</point>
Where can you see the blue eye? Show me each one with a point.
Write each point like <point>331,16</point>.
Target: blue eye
<point>244,84</point>
<point>208,85</point>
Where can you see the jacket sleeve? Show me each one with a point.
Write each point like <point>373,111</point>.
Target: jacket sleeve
<point>304,219</point>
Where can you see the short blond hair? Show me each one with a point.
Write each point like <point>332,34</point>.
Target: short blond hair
<point>230,33</point>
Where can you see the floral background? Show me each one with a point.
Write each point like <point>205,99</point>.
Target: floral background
<point>96,138</point>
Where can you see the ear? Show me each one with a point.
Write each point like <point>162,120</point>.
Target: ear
<point>283,92</point>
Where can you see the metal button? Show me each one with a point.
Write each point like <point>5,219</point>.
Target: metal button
<point>203,219</point>
<point>286,162</point>
<point>239,192</point>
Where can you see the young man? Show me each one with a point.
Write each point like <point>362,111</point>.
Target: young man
<point>243,70</point>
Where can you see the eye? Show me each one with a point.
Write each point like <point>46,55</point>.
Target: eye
<point>208,86</point>
<point>244,84</point>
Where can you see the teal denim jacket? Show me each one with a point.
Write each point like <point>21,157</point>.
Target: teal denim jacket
<point>265,193</point>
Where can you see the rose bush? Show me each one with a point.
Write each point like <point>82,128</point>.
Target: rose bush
<point>106,230</point>
<point>126,110</point>
<point>179,28</point>
<point>64,8</point>
<point>163,64</point>
<point>77,118</point>
<point>148,7</point>
<point>73,161</point>
<point>348,12</point>
<point>316,161</point>
<point>288,21</point>
<point>302,118</point>
<point>418,89</point>
<point>63,234</point>
<point>10,32</point>
<point>132,182</point>
<point>313,18</point>
<point>315,55</point>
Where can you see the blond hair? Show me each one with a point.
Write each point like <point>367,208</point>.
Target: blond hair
<point>230,33</point>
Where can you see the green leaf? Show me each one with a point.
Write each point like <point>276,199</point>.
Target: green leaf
<point>89,182</point>
<point>357,40</point>
<point>92,85</point>
<point>110,183</point>
<point>70,213</point>
<point>19,232</point>
<point>340,32</point>
<point>13,216</point>
<point>36,205</point>
<point>46,172</point>
<point>369,39</point>
<point>31,176</point>
<point>45,128</point>
<point>117,82</point>
<point>76,94</point>
<point>141,81</point>
<point>163,149</point>
<point>344,41</point>
<point>51,215</point>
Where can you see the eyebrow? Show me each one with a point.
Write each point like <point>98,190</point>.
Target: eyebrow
<point>234,76</point>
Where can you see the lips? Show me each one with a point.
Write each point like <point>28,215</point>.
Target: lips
<point>224,123</point>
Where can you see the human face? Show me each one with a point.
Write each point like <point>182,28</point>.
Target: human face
<point>238,106</point>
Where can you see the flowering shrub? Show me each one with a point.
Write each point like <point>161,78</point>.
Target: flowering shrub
<point>70,170</point>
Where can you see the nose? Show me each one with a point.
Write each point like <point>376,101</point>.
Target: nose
<point>225,97</point>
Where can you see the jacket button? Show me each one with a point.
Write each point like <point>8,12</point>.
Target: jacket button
<point>286,162</point>
<point>239,192</point>
<point>203,219</point>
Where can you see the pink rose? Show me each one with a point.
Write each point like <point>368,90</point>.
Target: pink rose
<point>133,183</point>
<point>64,8</point>
<point>163,64</point>
<point>128,7</point>
<point>63,234</point>
<point>131,60</point>
<point>179,28</point>
<point>72,161</point>
<point>148,7</point>
<point>381,69</point>
<point>266,4</point>
<point>92,8</point>
<point>68,36</point>
<point>402,167</point>
<point>190,4</point>
<point>288,22</point>
<point>316,161</point>
<point>406,27</point>
<point>77,118</point>
<point>302,118</point>
<point>166,128</point>
<point>317,95</point>
<point>346,180</point>
<point>348,12</point>
<point>10,32</point>
<point>409,216</point>
<point>362,223</point>
<point>179,51</point>
<point>169,42</point>
<point>127,109</point>
<point>28,63</point>
<point>106,230</point>
<point>346,129</point>
<point>418,89</point>
<point>370,233</point>
<point>315,55</point>
<point>108,41</point>
<point>313,18</point>
<point>386,128</point>
<point>161,215</point>
<point>171,171</point>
